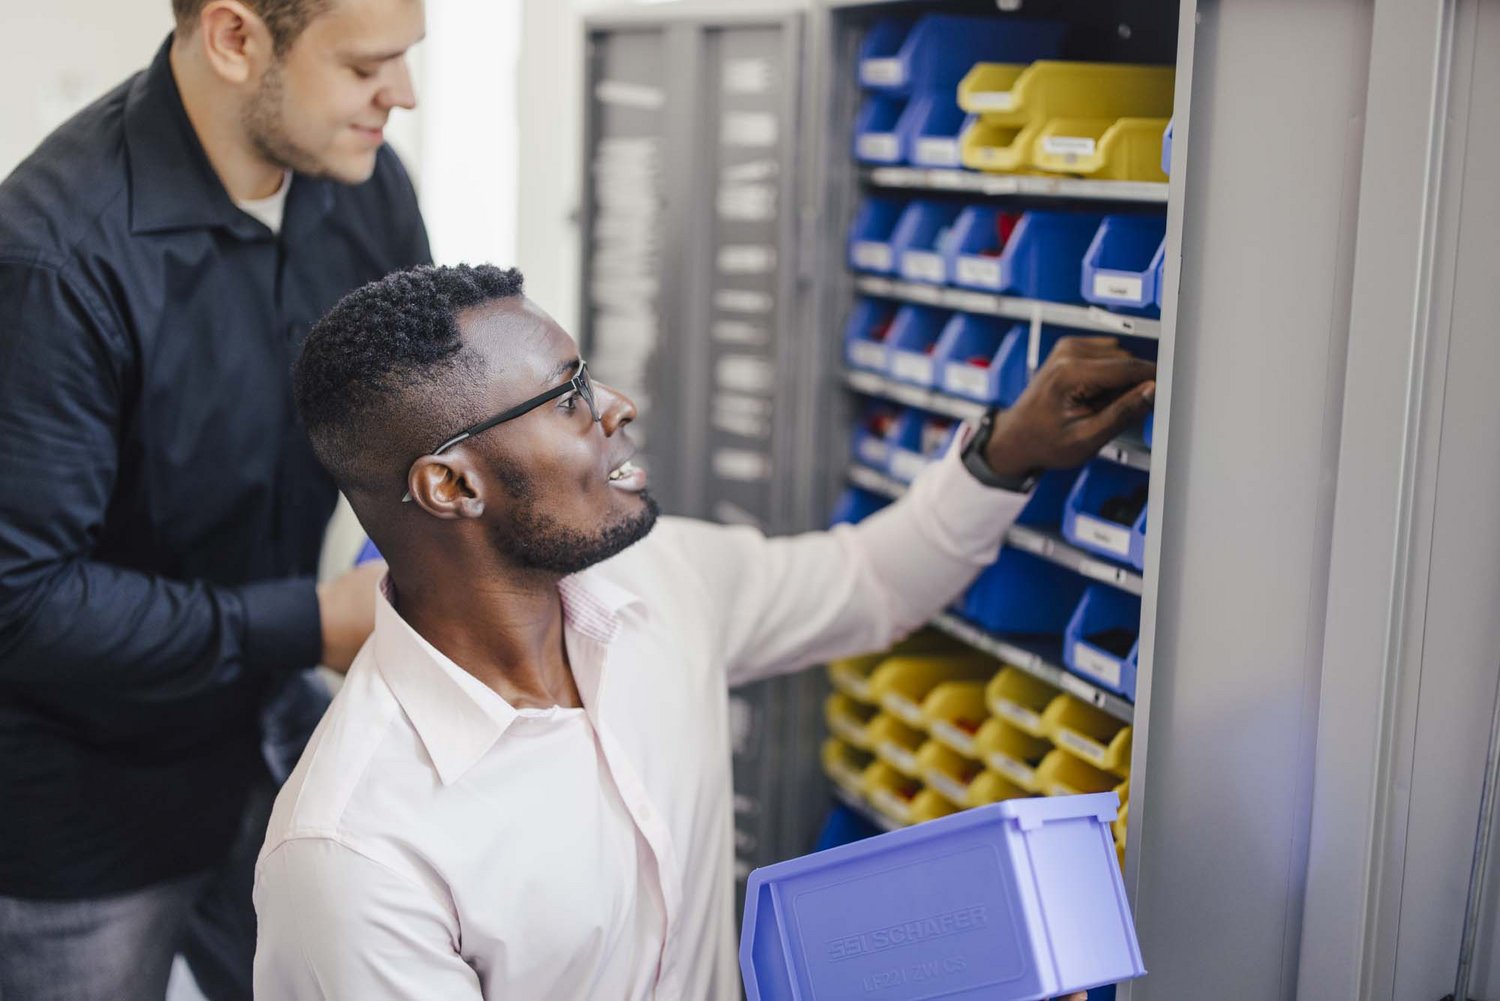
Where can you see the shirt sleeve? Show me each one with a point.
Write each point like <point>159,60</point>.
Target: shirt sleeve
<point>70,623</point>
<point>332,923</point>
<point>781,604</point>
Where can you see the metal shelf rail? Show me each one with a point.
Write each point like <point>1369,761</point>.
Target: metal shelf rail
<point>1048,545</point>
<point>1064,315</point>
<point>973,183</point>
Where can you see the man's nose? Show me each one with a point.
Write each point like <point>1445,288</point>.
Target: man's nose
<point>399,92</point>
<point>615,408</point>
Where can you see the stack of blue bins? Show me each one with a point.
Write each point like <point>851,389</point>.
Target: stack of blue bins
<point>1042,259</point>
<point>1017,901</point>
<point>909,71</point>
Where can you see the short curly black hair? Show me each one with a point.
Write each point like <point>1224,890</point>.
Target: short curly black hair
<point>385,375</point>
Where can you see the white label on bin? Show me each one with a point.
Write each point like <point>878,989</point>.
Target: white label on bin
<point>880,146</point>
<point>867,354</point>
<point>1107,286</point>
<point>982,271</point>
<point>1068,145</point>
<point>955,738</point>
<point>1104,534</point>
<point>875,256</point>
<point>891,805</point>
<point>849,730</point>
<point>933,152</point>
<point>906,464</point>
<point>911,367</point>
<point>992,100</point>
<point>950,787</point>
<point>898,757</point>
<point>959,377</point>
<point>881,72</point>
<point>1089,750</point>
<point>1020,774</point>
<point>903,708</point>
<point>1026,719</point>
<point>1101,665</point>
<point>874,451</point>
<point>923,266</point>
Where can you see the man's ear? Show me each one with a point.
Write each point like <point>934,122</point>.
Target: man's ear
<point>446,486</point>
<point>235,41</point>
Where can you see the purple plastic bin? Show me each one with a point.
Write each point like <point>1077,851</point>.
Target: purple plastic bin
<point>1016,901</point>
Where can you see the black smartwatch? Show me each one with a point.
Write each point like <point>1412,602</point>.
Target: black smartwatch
<point>976,464</point>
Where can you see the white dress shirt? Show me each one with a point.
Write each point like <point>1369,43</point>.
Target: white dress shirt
<point>436,843</point>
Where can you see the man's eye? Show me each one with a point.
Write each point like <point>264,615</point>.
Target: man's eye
<point>569,402</point>
<point>362,73</point>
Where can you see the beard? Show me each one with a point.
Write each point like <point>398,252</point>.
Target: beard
<point>265,126</point>
<point>534,540</point>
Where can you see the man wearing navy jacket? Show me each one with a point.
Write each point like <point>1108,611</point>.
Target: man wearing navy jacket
<point>162,256</point>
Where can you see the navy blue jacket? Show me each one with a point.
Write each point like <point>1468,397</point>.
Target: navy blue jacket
<point>161,511</point>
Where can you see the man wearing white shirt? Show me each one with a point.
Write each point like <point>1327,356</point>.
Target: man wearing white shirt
<point>523,789</point>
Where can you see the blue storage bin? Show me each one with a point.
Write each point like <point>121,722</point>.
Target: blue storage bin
<point>367,553</point>
<point>980,234</point>
<point>870,235</point>
<point>1102,642</point>
<point>855,505</point>
<point>933,53</point>
<point>1106,512</point>
<point>1149,428</point>
<point>1022,594</point>
<point>1121,265</point>
<point>877,130</point>
<point>920,238</point>
<point>871,439</point>
<point>911,355</point>
<point>1043,259</point>
<point>1166,149</point>
<point>1161,274</point>
<point>917,440</point>
<point>931,124</point>
<point>1048,499</point>
<point>1014,901</point>
<point>867,334</point>
<point>970,355</point>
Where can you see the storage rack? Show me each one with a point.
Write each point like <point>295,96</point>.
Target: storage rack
<point>1039,659</point>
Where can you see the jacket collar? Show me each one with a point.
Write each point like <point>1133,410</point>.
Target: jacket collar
<point>172,183</point>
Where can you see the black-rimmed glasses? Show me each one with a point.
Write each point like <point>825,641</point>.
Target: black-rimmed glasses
<point>579,384</point>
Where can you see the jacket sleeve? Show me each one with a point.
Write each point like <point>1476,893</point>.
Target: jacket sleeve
<point>68,622</point>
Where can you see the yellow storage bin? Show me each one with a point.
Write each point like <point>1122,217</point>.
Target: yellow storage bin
<point>1121,822</point>
<point>1120,853</point>
<point>1007,93</point>
<point>1061,774</point>
<point>992,788</point>
<point>850,719</point>
<point>1125,149</point>
<point>954,712</point>
<point>896,744</point>
<point>1012,752</point>
<point>903,799</point>
<point>844,765</point>
<point>997,147</point>
<point>1020,699</point>
<point>1091,734</point>
<point>851,675</point>
<point>902,683</point>
<point>948,772</point>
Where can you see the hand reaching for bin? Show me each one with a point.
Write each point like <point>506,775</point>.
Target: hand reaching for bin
<point>1088,391</point>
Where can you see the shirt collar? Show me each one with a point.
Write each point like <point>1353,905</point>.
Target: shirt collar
<point>173,185</point>
<point>458,717</point>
